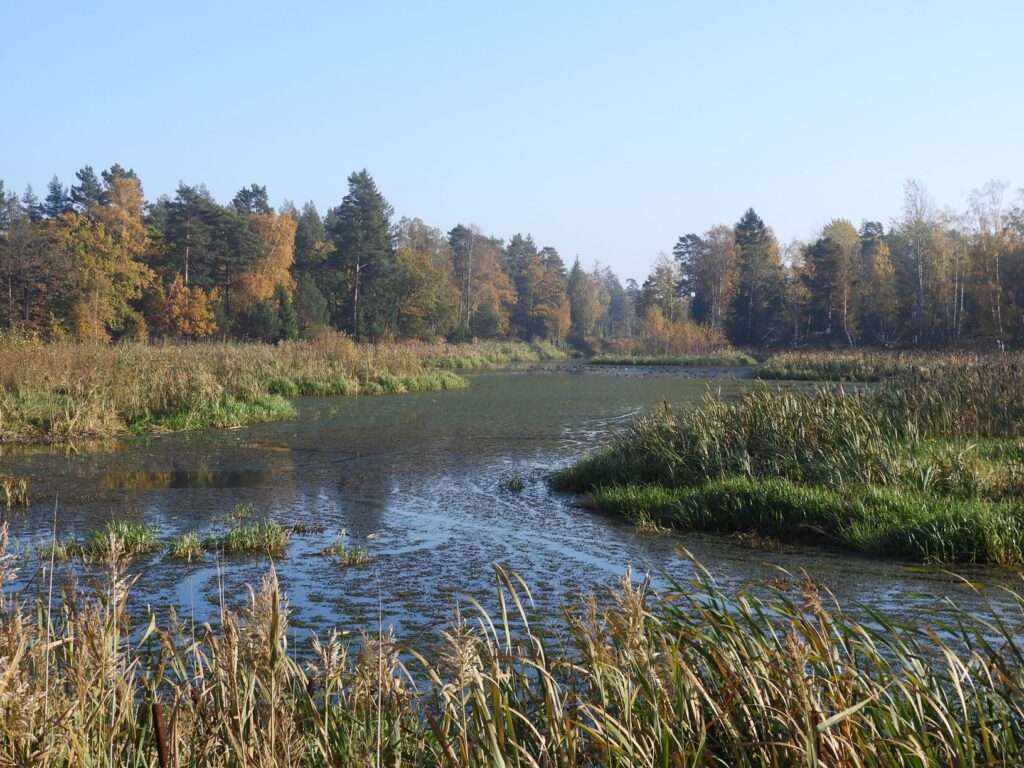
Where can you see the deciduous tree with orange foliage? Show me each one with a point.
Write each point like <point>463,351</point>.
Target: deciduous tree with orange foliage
<point>181,312</point>
<point>277,234</point>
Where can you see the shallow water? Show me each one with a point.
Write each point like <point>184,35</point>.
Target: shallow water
<point>417,480</point>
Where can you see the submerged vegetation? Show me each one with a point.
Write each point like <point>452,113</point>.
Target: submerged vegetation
<point>238,534</point>
<point>928,464</point>
<point>512,483</point>
<point>61,391</point>
<point>693,675</point>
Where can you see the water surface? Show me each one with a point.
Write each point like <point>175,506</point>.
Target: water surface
<point>417,480</point>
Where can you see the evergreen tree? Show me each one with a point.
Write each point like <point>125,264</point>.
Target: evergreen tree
<point>30,204</point>
<point>288,321</point>
<point>57,200</point>
<point>522,262</point>
<point>363,259</point>
<point>758,307</point>
<point>551,260</point>
<point>252,199</point>
<point>262,322</point>
<point>88,191</point>
<point>821,260</point>
<point>708,265</point>
<point>311,247</point>
<point>118,171</point>
<point>486,322</point>
<point>310,308</point>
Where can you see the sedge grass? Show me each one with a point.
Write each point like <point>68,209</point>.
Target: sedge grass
<point>513,483</point>
<point>127,537</point>
<point>188,547</point>
<point>886,521</point>
<point>267,537</point>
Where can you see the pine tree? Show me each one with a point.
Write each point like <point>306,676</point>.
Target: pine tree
<point>57,200</point>
<point>88,191</point>
<point>30,204</point>
<point>288,320</point>
<point>758,306</point>
<point>360,229</point>
<point>252,199</point>
<point>310,308</point>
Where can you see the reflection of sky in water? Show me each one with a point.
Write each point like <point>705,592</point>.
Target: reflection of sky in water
<point>421,474</point>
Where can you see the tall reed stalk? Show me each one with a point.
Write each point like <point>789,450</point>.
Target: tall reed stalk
<point>692,675</point>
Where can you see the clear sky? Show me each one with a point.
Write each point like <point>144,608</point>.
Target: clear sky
<point>604,129</point>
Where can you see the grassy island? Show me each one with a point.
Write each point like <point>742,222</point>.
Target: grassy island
<point>927,465</point>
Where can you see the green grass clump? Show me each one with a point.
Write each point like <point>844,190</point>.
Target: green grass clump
<point>268,537</point>
<point>13,492</point>
<point>187,547</point>
<point>229,412</point>
<point>874,520</point>
<point>59,550</point>
<point>692,361</point>
<point>120,537</point>
<point>346,555</point>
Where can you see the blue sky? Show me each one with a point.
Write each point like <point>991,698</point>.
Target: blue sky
<point>604,129</point>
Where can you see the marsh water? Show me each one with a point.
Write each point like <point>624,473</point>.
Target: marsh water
<point>419,481</point>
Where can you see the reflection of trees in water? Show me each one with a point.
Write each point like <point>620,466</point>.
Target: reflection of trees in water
<point>182,478</point>
<point>364,488</point>
<point>185,497</point>
<point>65,449</point>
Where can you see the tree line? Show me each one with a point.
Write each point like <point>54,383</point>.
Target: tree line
<point>933,278</point>
<point>95,261</point>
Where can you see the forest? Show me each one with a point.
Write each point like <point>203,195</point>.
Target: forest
<point>94,261</point>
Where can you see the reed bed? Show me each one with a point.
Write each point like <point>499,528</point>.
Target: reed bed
<point>929,464</point>
<point>490,354</point>
<point>870,365</point>
<point>681,338</point>
<point>725,359</point>
<point>693,675</point>
<point>64,390</point>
